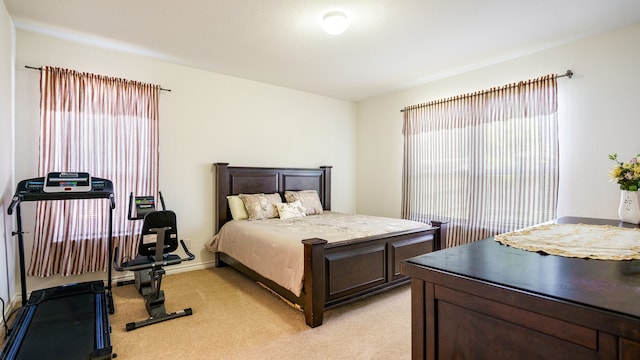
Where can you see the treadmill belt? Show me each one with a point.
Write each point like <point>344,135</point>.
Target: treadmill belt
<point>67,322</point>
<point>61,329</point>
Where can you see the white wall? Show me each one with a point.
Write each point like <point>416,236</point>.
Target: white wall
<point>7,243</point>
<point>598,115</point>
<point>206,118</point>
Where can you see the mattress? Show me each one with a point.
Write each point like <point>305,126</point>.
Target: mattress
<point>273,247</point>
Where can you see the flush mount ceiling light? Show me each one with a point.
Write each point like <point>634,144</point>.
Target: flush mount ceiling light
<point>334,22</point>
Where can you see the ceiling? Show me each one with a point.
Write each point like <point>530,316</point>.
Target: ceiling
<point>389,45</point>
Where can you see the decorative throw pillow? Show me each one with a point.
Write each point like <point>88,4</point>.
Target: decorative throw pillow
<point>274,199</point>
<point>308,199</point>
<point>261,206</point>
<point>236,205</point>
<point>290,210</point>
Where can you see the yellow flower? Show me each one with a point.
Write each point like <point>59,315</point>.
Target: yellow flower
<point>615,172</point>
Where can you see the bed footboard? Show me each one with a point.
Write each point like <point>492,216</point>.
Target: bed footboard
<point>337,273</point>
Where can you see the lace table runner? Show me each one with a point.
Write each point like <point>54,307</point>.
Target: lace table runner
<point>602,242</point>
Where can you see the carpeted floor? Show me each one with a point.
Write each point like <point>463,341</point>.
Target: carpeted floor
<point>234,318</point>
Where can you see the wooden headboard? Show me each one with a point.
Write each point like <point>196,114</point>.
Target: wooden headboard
<point>233,180</point>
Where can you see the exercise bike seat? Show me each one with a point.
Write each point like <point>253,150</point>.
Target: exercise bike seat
<point>140,260</point>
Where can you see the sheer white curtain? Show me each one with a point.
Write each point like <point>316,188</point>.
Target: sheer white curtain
<point>109,128</point>
<point>485,162</point>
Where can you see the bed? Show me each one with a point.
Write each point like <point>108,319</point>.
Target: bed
<point>333,272</point>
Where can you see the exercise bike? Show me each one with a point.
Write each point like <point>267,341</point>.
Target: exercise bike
<point>157,240</point>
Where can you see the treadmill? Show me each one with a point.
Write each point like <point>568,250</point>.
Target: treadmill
<point>69,321</point>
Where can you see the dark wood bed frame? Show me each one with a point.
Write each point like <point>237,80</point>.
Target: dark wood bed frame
<point>334,273</point>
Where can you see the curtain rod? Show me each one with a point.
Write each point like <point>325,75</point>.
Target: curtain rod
<point>568,74</point>
<point>39,68</point>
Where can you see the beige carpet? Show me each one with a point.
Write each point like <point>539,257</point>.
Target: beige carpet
<point>234,318</point>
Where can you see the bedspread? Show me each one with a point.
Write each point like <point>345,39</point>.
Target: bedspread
<point>273,247</point>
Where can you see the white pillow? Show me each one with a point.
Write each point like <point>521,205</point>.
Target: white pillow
<point>236,205</point>
<point>290,210</point>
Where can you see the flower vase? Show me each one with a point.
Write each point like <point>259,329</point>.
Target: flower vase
<point>629,210</point>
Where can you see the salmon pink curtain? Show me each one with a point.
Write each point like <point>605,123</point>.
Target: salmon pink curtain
<point>107,127</point>
<point>485,162</point>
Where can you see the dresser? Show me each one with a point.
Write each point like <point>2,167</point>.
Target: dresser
<point>485,300</point>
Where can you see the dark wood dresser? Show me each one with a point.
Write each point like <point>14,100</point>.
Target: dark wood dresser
<point>485,300</point>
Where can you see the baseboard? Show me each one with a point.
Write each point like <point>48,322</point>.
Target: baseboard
<point>183,267</point>
<point>187,266</point>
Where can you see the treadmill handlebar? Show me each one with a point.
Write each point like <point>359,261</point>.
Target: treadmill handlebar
<point>16,199</point>
<point>13,204</point>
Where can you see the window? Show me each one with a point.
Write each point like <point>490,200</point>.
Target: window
<point>485,162</point>
<point>109,128</point>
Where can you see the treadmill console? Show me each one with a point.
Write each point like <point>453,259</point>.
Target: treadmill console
<point>56,182</point>
<point>35,185</point>
<point>62,186</point>
<point>98,184</point>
